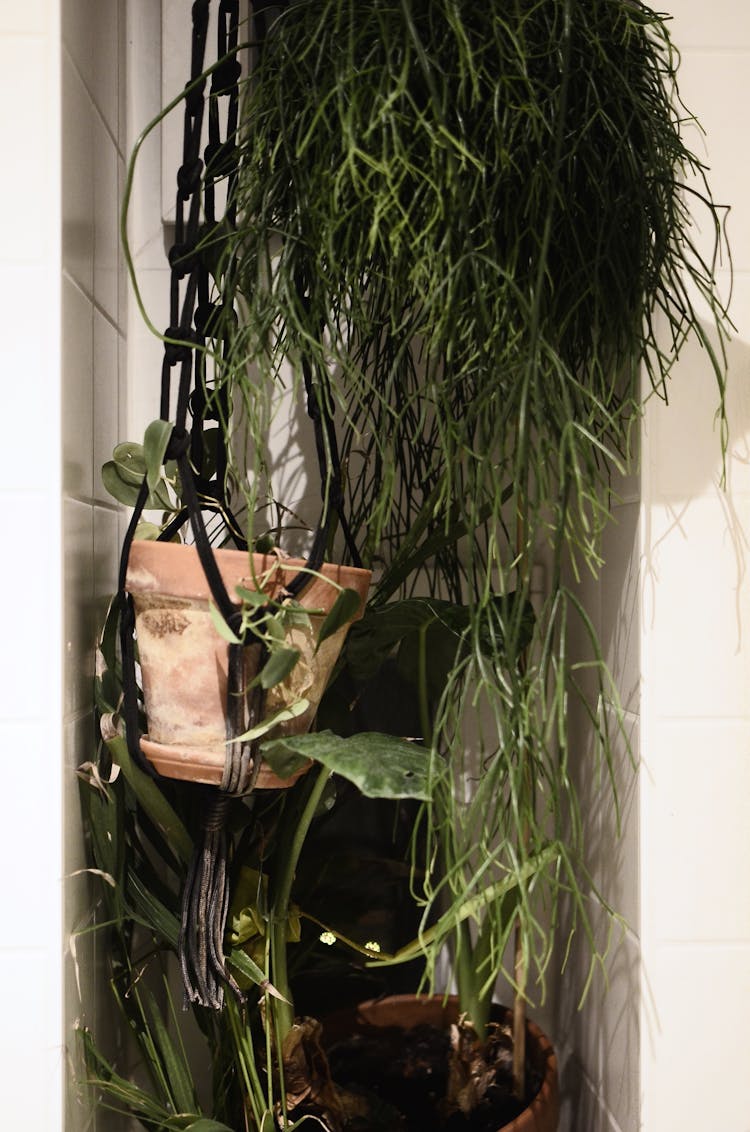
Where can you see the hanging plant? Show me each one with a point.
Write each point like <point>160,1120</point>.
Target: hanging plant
<point>465,230</point>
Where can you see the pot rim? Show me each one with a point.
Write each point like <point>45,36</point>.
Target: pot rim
<point>176,569</point>
<point>542,1112</point>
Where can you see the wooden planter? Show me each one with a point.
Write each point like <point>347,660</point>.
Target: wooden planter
<point>184,660</point>
<point>408,1011</point>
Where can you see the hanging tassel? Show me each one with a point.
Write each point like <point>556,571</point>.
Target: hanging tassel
<point>205,899</point>
<point>205,904</point>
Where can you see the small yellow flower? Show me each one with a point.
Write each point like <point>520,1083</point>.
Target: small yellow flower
<point>327,937</point>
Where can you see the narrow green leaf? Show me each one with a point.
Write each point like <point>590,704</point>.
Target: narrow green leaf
<point>155,442</point>
<point>381,766</point>
<point>176,1071</point>
<point>284,716</point>
<point>278,666</point>
<point>153,801</point>
<point>343,610</point>
<point>221,626</point>
<point>242,962</point>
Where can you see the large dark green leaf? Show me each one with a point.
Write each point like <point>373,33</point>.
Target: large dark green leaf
<point>436,627</point>
<point>381,766</point>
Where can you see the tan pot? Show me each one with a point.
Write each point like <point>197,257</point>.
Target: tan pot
<point>184,660</point>
<point>407,1011</point>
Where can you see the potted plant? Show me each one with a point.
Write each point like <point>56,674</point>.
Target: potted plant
<point>460,223</point>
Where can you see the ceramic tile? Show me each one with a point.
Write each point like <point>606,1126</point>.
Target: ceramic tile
<point>620,599</point>
<point>28,199</point>
<point>77,390</point>
<point>694,1038</point>
<point>122,375</point>
<point>106,430</point>
<point>106,561</point>
<point>175,30</point>
<point>695,610</point>
<point>144,68</point>
<point>106,217</point>
<point>579,1105</point>
<point>578,1027</point>
<point>123,285</point>
<point>617,865</point>
<point>682,443</point>
<point>78,26</point>
<point>696,26</point>
<point>122,85</point>
<point>29,609</point>
<point>29,457</point>
<point>145,353</point>
<point>710,82</point>
<point>30,18</point>
<point>30,1047</point>
<point>695,807</point>
<point>620,1085</point>
<point>105,62</point>
<point>29,894</point>
<point>79,607</point>
<point>78,179</point>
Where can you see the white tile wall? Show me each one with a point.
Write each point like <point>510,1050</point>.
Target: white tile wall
<point>687,695</point>
<point>94,330</point>
<point>30,595</point>
<point>694,798</point>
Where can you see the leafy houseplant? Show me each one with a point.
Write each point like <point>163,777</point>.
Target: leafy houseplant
<point>468,224</point>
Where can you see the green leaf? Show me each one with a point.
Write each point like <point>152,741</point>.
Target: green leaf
<point>256,598</point>
<point>155,442</point>
<point>221,626</point>
<point>207,1125</point>
<point>344,609</point>
<point>242,962</point>
<point>153,801</point>
<point>127,493</point>
<point>149,532</point>
<point>278,666</point>
<point>381,766</point>
<point>274,627</point>
<point>129,461</point>
<point>171,1057</point>
<point>284,716</point>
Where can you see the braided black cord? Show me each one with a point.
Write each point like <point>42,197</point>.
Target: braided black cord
<point>193,320</point>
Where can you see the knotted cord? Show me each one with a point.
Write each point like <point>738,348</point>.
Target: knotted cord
<point>192,321</point>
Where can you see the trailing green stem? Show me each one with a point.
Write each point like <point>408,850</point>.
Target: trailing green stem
<point>294,828</point>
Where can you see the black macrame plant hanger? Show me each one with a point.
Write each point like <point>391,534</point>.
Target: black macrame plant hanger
<point>192,322</point>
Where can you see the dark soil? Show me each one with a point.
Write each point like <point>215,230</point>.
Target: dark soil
<point>404,1076</point>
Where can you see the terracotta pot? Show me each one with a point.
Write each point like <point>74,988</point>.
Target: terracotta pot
<point>407,1011</point>
<point>184,660</point>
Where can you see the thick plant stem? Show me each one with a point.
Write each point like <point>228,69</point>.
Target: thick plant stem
<point>292,838</point>
<point>519,1021</point>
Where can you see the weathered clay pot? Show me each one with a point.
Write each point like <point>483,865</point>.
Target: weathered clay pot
<point>407,1011</point>
<point>184,660</point>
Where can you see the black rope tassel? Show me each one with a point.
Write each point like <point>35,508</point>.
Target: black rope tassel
<point>205,900</point>
<point>205,904</point>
